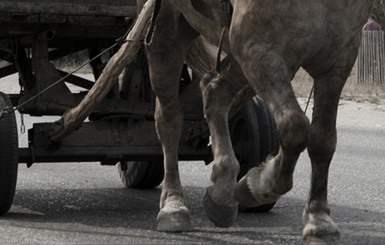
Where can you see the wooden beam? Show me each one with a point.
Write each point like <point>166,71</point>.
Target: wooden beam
<point>72,119</point>
<point>67,8</point>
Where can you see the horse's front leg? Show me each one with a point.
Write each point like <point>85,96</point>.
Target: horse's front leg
<point>166,53</point>
<point>173,215</point>
<point>269,73</point>
<point>219,92</point>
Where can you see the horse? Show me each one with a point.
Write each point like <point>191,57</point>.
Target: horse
<point>265,43</point>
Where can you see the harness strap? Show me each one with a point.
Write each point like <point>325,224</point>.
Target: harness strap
<point>218,65</point>
<point>151,29</point>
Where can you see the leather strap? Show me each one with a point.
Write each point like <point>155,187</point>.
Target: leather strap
<point>148,38</point>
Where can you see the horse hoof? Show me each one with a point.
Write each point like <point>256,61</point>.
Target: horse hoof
<point>174,220</point>
<point>250,195</point>
<point>323,240</point>
<point>244,196</point>
<point>220,215</point>
<point>320,229</point>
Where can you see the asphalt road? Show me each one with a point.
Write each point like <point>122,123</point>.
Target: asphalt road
<point>86,203</point>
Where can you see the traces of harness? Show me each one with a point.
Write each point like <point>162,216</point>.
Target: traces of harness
<point>151,28</point>
<point>218,65</point>
<point>308,100</point>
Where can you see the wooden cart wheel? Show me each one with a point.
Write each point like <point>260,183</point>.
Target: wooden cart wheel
<point>254,137</point>
<point>9,158</point>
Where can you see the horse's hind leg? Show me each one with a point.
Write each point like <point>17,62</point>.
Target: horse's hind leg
<point>166,53</point>
<point>316,218</point>
<point>319,228</point>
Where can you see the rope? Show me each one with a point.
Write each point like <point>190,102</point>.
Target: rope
<point>63,78</point>
<point>118,42</point>
<point>308,100</point>
<point>151,28</point>
<point>5,110</point>
<point>218,65</point>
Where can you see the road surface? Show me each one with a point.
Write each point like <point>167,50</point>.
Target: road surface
<point>86,203</point>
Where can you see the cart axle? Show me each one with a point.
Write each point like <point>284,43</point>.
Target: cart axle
<point>107,141</point>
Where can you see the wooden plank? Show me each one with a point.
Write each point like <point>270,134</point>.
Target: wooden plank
<point>91,20</point>
<point>8,70</point>
<point>107,2</point>
<point>95,8</point>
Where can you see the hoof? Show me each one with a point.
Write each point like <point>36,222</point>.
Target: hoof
<point>174,220</point>
<point>323,240</point>
<point>220,215</point>
<point>320,229</point>
<point>250,193</point>
<point>244,196</point>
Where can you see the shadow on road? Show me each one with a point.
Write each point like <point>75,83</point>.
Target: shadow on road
<point>121,212</point>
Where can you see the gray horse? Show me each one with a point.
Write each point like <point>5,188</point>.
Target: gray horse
<point>266,43</point>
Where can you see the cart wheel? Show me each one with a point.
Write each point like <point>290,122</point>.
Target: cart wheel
<point>136,86</point>
<point>254,137</point>
<point>267,130</point>
<point>8,155</point>
<point>141,174</point>
<point>244,133</point>
<point>269,139</point>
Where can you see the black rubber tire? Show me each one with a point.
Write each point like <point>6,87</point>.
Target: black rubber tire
<point>141,174</point>
<point>267,130</point>
<point>254,137</point>
<point>9,158</point>
<point>244,133</point>
<point>269,146</point>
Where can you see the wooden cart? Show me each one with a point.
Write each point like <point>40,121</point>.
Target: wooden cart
<point>36,34</point>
